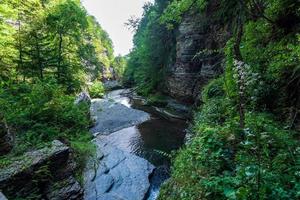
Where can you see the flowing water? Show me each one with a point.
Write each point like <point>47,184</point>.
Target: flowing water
<point>153,140</point>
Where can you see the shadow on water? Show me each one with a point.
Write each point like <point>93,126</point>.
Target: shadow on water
<point>152,140</point>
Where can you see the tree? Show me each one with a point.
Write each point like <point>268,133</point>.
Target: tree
<point>65,22</point>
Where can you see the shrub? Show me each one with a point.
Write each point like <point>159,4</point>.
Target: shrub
<point>225,162</point>
<point>214,89</point>
<point>97,90</point>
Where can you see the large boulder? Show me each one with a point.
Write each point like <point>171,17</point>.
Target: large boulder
<point>47,172</point>
<point>6,138</point>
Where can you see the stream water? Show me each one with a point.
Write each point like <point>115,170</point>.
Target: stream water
<point>152,140</point>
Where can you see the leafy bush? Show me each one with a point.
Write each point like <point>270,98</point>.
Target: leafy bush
<point>97,90</point>
<point>214,89</point>
<point>42,112</point>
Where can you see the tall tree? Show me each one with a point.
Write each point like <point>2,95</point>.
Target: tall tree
<point>65,22</point>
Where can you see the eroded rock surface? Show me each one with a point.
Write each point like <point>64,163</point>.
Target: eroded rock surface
<point>110,116</point>
<point>47,172</point>
<point>116,174</point>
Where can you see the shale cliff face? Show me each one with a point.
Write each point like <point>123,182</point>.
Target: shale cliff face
<point>201,35</point>
<point>47,173</point>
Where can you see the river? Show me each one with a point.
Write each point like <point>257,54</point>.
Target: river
<point>154,139</point>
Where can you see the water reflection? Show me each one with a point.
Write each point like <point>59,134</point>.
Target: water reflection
<point>149,139</point>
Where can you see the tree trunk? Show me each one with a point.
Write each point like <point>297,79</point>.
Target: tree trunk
<point>39,58</point>
<point>59,56</point>
<point>20,49</point>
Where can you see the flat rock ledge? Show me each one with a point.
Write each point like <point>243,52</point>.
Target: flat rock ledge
<point>47,172</point>
<point>116,174</point>
<point>110,116</point>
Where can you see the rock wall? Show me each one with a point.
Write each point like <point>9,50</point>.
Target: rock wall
<point>197,33</point>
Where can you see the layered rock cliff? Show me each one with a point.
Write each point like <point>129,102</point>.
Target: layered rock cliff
<point>43,174</point>
<point>197,59</point>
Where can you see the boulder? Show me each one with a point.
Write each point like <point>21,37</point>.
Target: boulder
<point>83,97</point>
<point>6,138</point>
<point>42,173</point>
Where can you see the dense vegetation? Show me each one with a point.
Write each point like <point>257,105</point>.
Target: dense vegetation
<point>245,134</point>
<point>154,49</point>
<point>49,51</point>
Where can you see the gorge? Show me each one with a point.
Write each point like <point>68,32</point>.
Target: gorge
<point>205,105</point>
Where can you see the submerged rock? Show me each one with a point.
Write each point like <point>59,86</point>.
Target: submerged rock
<point>111,116</point>
<point>46,172</point>
<point>116,174</point>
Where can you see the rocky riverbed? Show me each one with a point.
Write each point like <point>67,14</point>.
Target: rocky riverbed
<point>115,173</point>
<point>110,116</point>
<point>128,165</point>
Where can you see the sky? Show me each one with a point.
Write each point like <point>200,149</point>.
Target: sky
<point>112,15</point>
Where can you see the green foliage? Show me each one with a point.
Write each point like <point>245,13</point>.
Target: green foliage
<point>97,50</point>
<point>224,162</point>
<point>176,9</point>
<point>213,90</point>
<point>260,161</point>
<point>40,113</point>
<point>119,65</point>
<point>57,39</point>
<point>154,50</point>
<point>48,51</point>
<point>97,90</point>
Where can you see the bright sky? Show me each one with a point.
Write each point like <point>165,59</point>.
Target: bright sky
<point>112,15</point>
